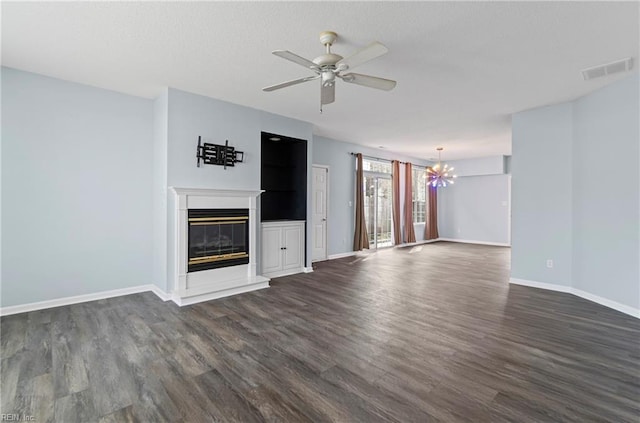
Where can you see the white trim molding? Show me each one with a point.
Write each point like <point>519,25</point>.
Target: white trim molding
<point>160,293</point>
<point>182,301</point>
<point>76,299</point>
<point>308,269</point>
<point>623,308</point>
<point>468,241</point>
<point>541,285</point>
<point>204,192</point>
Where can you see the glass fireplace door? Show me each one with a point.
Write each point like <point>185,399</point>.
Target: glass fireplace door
<point>217,238</point>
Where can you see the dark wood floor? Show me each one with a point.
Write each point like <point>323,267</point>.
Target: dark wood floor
<point>433,333</point>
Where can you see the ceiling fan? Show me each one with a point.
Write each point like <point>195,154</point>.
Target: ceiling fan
<point>328,66</point>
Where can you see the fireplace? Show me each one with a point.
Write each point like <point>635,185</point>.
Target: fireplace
<point>217,238</point>
<point>213,241</point>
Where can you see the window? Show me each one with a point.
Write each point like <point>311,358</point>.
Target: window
<point>376,166</point>
<point>419,188</point>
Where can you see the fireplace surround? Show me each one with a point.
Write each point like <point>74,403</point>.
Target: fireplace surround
<point>214,244</point>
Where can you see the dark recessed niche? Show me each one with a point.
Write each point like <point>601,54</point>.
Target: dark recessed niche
<point>283,178</point>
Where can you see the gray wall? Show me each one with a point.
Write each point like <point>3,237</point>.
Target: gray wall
<point>492,165</point>
<point>606,191</point>
<point>541,194</point>
<point>475,208</point>
<point>76,189</point>
<point>192,115</point>
<point>341,216</point>
<point>575,193</point>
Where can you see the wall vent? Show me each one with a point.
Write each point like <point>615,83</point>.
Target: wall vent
<point>618,66</point>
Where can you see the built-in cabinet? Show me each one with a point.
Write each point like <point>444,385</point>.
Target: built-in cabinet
<point>283,178</point>
<point>283,204</point>
<point>282,248</point>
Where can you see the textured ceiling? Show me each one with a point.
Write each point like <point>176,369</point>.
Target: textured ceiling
<point>462,68</point>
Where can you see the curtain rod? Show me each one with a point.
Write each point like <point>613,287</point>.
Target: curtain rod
<point>380,159</point>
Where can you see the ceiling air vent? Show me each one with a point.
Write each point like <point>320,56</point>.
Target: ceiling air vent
<point>618,66</point>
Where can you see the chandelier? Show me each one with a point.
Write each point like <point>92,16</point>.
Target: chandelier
<point>438,175</point>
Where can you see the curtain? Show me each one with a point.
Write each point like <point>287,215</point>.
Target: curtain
<point>409,233</point>
<point>395,197</point>
<point>431,224</point>
<point>360,238</point>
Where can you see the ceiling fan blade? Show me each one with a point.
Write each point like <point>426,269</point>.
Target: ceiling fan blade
<point>327,94</point>
<point>285,54</point>
<point>369,81</point>
<point>370,52</point>
<point>290,83</point>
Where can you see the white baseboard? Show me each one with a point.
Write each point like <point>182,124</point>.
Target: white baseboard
<point>59,302</point>
<point>342,255</point>
<point>622,308</point>
<point>631,311</point>
<point>308,269</point>
<point>160,293</point>
<point>468,241</point>
<point>541,285</point>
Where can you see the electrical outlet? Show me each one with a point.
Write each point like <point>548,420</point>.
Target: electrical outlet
<point>458,230</point>
<point>550,263</point>
<point>344,241</point>
<point>350,203</point>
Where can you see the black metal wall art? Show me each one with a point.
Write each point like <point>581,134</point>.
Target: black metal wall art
<point>216,154</point>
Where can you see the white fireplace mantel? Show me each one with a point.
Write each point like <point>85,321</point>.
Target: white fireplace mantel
<point>194,287</point>
<point>204,192</point>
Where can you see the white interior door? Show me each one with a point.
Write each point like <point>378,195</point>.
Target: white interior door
<point>319,218</point>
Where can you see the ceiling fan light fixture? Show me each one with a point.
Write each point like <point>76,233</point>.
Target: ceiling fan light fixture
<point>328,78</point>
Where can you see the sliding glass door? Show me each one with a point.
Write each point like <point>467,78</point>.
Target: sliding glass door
<point>377,209</point>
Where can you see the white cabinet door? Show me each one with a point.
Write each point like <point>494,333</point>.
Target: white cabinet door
<point>292,257</point>
<point>272,244</point>
<point>282,248</point>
